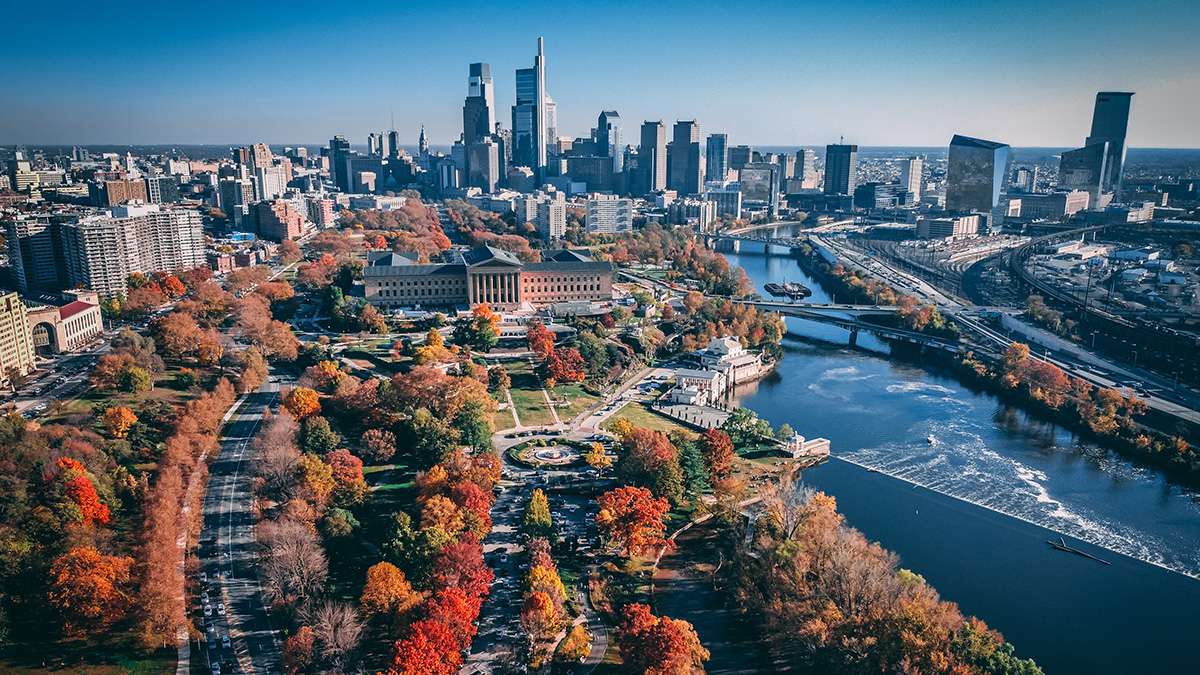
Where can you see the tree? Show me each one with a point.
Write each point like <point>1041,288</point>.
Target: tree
<point>118,420</point>
<point>337,632</point>
<point>289,252</point>
<point>80,490</point>
<point>597,458</point>
<point>177,334</point>
<point>539,615</point>
<point>692,302</point>
<point>428,649</point>
<point>784,432</point>
<point>634,518</point>
<point>293,564</point>
<point>317,438</point>
<point>302,402</point>
<point>433,439</point>
<point>456,610</point>
<point>541,341</point>
<point>744,426</point>
<point>315,478</point>
<point>716,448</point>
<point>298,651</point>
<point>621,427</point>
<point>89,590</point>
<point>658,645</point>
<point>135,380</point>
<point>379,444</point>
<point>565,365</point>
<point>474,426</point>
<point>254,370</point>
<point>387,595</point>
<point>499,380</point>
<point>536,520</point>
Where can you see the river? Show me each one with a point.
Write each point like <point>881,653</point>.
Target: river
<point>967,490</point>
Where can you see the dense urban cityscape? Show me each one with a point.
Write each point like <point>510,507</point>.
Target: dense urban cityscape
<point>646,399</point>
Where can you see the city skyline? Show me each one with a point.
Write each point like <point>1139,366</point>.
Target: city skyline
<point>845,72</point>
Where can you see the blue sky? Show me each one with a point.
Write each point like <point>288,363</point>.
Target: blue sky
<point>766,73</point>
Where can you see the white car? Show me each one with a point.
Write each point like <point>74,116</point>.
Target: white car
<point>209,627</point>
<point>221,609</point>
<point>216,669</point>
<point>204,597</point>
<point>225,641</point>
<point>208,610</point>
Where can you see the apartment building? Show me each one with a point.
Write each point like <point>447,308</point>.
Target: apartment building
<point>16,341</point>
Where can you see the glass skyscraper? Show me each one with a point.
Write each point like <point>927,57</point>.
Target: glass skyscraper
<point>975,174</point>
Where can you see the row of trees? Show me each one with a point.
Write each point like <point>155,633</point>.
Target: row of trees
<point>826,599</point>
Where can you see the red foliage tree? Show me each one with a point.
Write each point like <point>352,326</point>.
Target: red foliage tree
<point>658,645</point>
<point>81,491</point>
<point>461,565</point>
<point>716,448</point>
<point>633,517</point>
<point>565,365</point>
<point>541,341</point>
<point>429,649</point>
<point>457,611</point>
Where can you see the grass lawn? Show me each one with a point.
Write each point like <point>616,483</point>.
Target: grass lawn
<point>579,399</point>
<point>641,416</point>
<point>531,407</point>
<point>502,420</point>
<point>117,655</point>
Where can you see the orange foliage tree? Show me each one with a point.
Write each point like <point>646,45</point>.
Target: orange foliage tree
<point>716,448</point>
<point>565,365</point>
<point>429,649</point>
<point>633,517</point>
<point>89,590</point>
<point>118,420</point>
<point>387,595</point>
<point>541,341</point>
<point>302,402</point>
<point>539,615</point>
<point>658,645</point>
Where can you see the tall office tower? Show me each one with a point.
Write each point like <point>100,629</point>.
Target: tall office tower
<point>841,169</point>
<point>479,111</point>
<point>339,149</point>
<point>652,155</point>
<point>271,182</point>
<point>716,157</point>
<point>1099,166</point>
<point>1024,179</point>
<point>910,176</point>
<point>374,144</point>
<point>241,155</point>
<point>684,172</point>
<point>787,167</point>
<point>530,117</point>
<point>261,155</point>
<point>392,143</point>
<point>806,164</point>
<point>739,156</point>
<point>1110,122</point>
<point>16,339</point>
<point>100,252</point>
<point>483,164</point>
<point>975,174</point>
<point>608,139</point>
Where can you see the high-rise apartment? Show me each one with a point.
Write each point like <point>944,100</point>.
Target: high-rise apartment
<point>684,173</point>
<point>806,164</point>
<point>16,339</point>
<point>102,251</point>
<point>975,174</point>
<point>716,153</point>
<point>608,139</point>
<point>652,155</point>
<point>608,214</point>
<point>841,169</point>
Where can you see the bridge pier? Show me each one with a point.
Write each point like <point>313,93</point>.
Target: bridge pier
<point>854,337</point>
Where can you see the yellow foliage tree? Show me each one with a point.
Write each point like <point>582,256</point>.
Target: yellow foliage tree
<point>118,420</point>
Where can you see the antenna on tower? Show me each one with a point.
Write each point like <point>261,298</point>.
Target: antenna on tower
<point>841,140</point>
<point>393,118</point>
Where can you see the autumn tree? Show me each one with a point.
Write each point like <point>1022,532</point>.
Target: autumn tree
<point>428,649</point>
<point>632,517</point>
<point>597,458</point>
<point>541,341</point>
<point>298,651</point>
<point>536,520</point>
<point>118,419</point>
<point>658,645</point>
<point>380,444</point>
<point>302,402</point>
<point>387,596</point>
<point>565,365</point>
<point>293,565</point>
<point>337,632</point>
<point>539,615</point>
<point>716,448</point>
<point>314,478</point>
<point>254,370</point>
<point>177,334</point>
<point>499,380</point>
<point>90,591</point>
<point>457,610</point>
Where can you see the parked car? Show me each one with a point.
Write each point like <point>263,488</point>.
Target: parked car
<point>208,610</point>
<point>225,641</point>
<point>204,597</point>
<point>221,608</point>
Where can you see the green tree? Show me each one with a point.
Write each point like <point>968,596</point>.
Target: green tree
<point>784,432</point>
<point>691,462</point>
<point>536,521</point>
<point>744,426</point>
<point>135,380</point>
<point>316,437</point>
<point>473,427</point>
<point>432,438</point>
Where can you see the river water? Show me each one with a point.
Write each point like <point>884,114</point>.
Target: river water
<point>967,490</point>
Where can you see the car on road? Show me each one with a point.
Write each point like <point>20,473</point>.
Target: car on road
<point>212,641</point>
<point>221,608</point>
<point>503,558</point>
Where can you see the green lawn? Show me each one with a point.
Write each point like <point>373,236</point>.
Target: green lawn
<point>117,654</point>
<point>503,420</point>
<point>531,407</point>
<point>579,399</point>
<point>641,416</point>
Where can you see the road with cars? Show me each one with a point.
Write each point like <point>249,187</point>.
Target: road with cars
<point>243,639</point>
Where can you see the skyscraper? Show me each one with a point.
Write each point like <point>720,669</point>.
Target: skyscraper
<point>975,174</point>
<point>806,164</point>
<point>841,169</point>
<point>683,174</point>
<point>716,157</point>
<point>339,149</point>
<point>1099,166</point>
<point>1110,122</point>
<point>530,117</point>
<point>740,156</point>
<point>910,175</point>
<point>479,111</point>
<point>608,139</point>
<point>652,155</point>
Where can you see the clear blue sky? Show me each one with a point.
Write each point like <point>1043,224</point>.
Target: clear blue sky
<point>766,73</point>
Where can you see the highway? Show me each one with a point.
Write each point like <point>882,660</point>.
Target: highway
<point>226,553</point>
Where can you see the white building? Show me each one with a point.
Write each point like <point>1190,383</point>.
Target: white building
<point>607,214</point>
<point>102,251</point>
<point>546,210</point>
<point>724,363</point>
